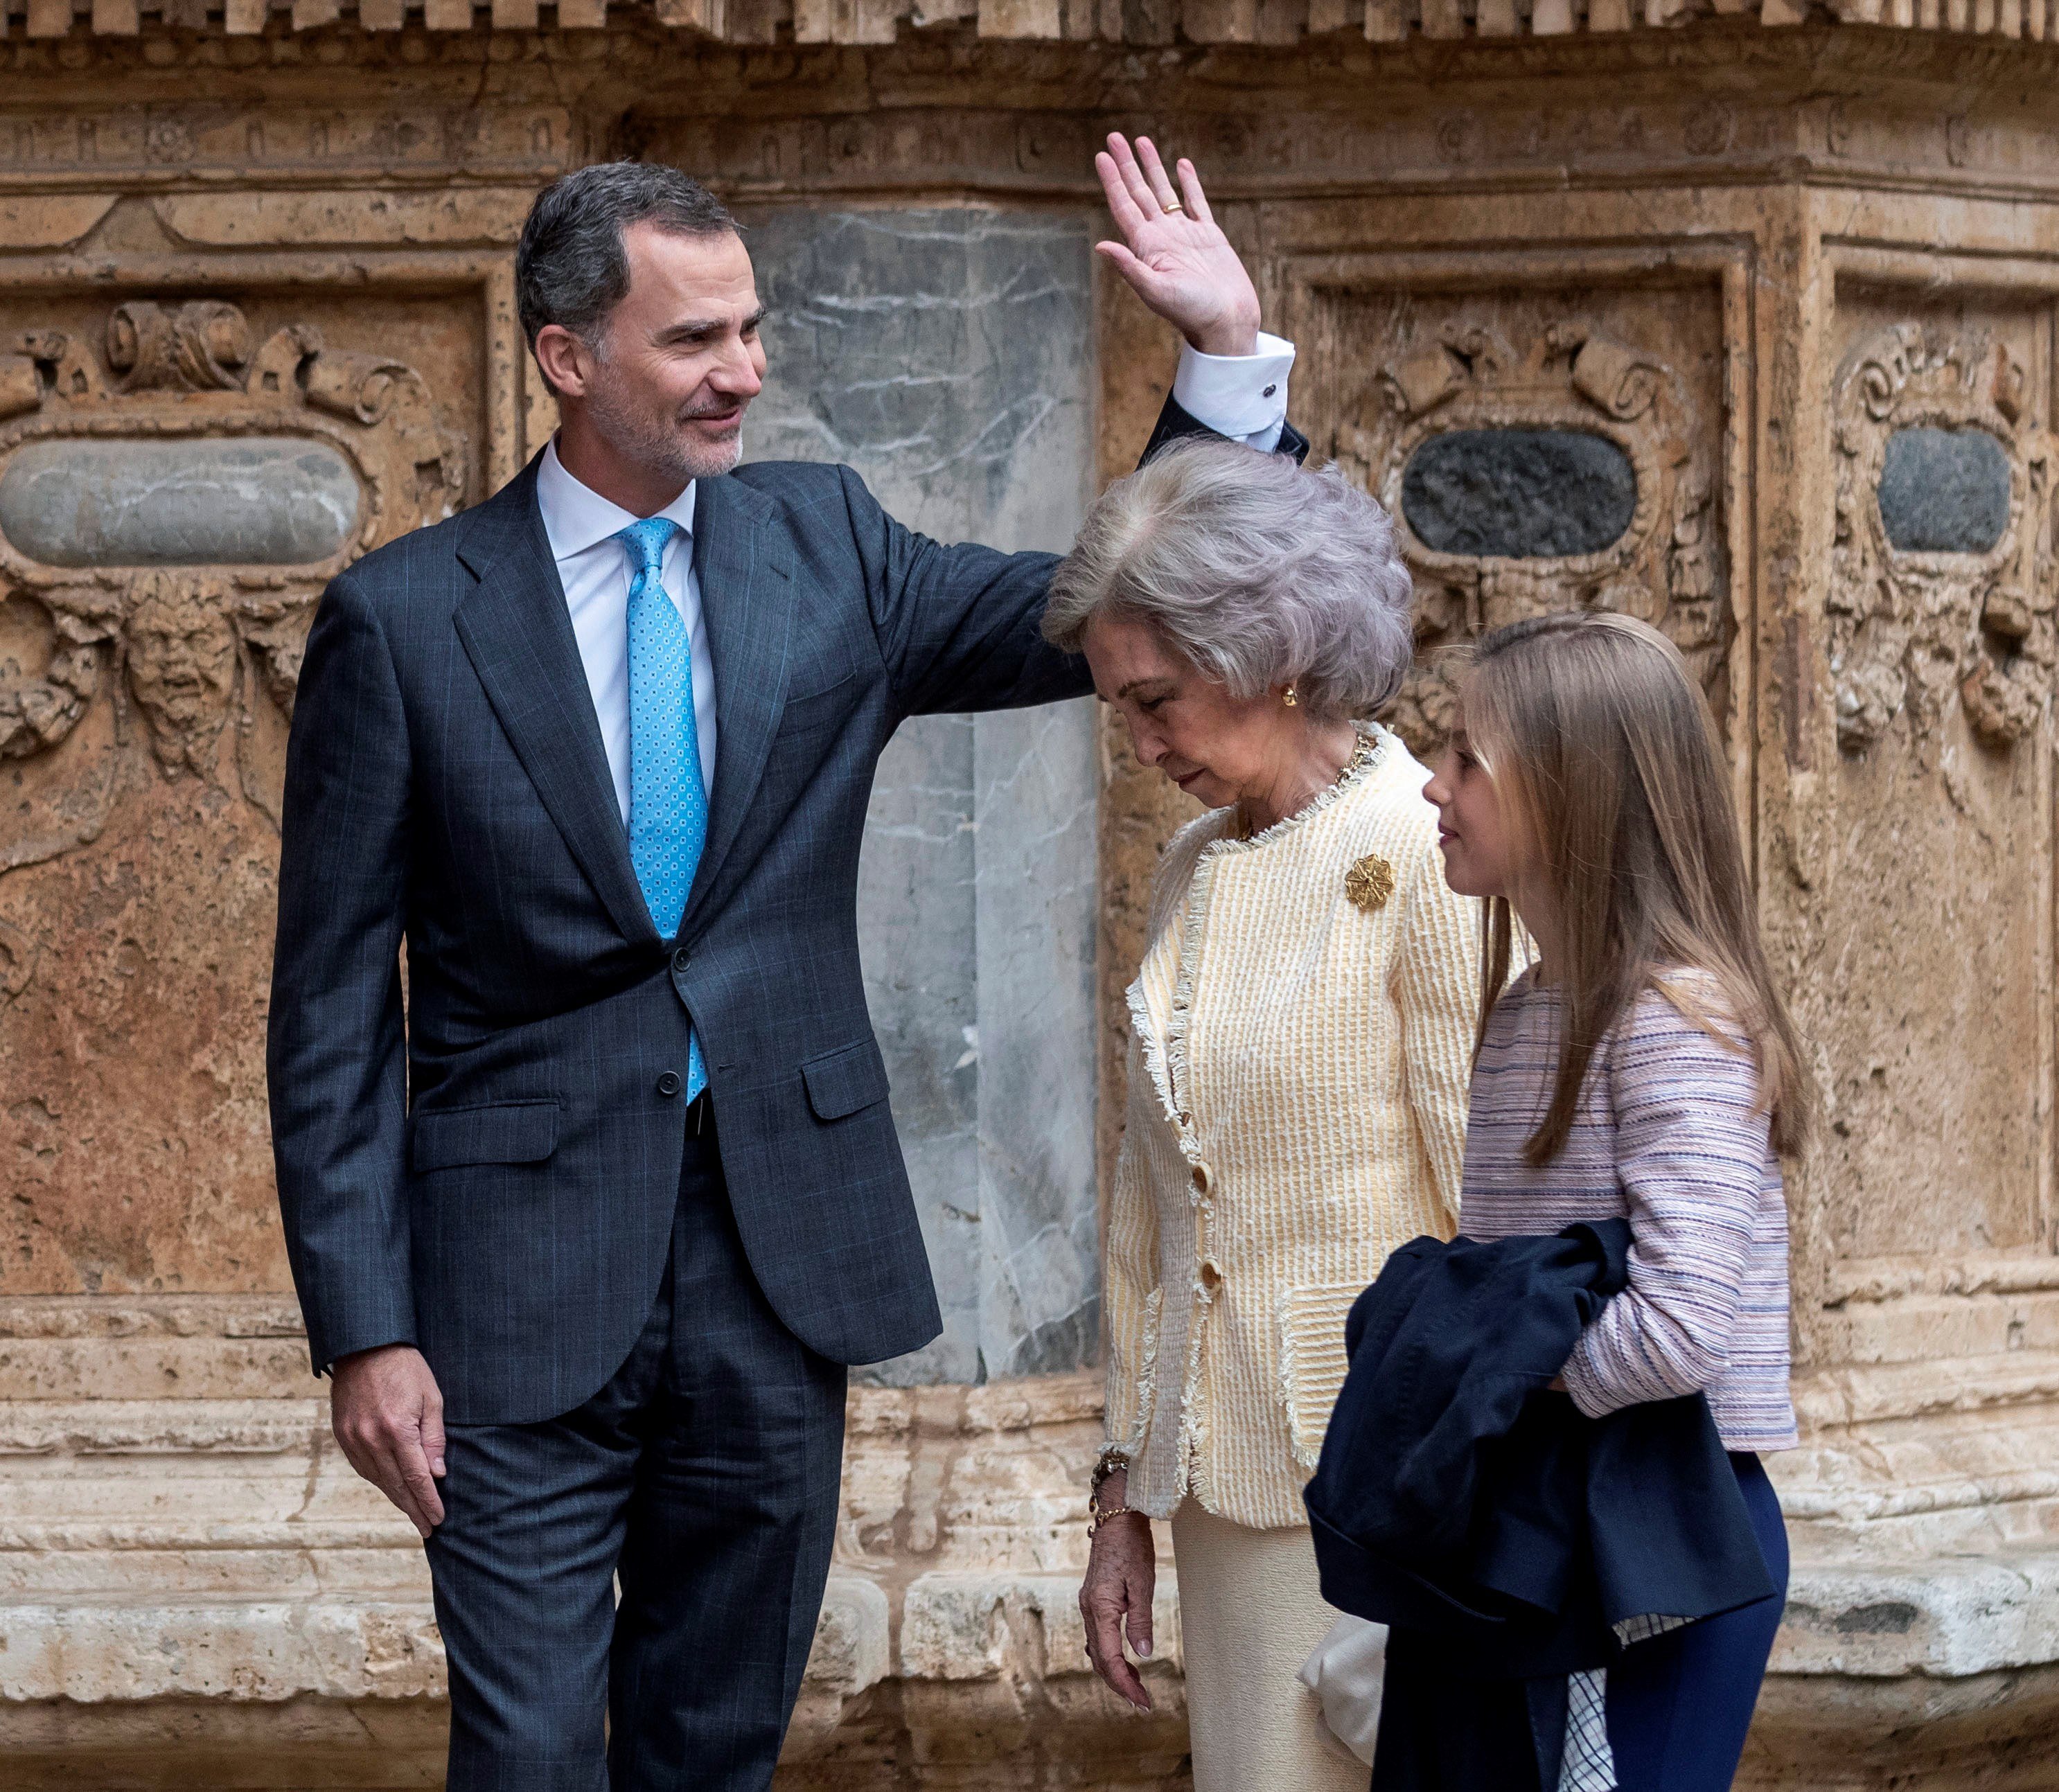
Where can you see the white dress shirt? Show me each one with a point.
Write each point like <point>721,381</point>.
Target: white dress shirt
<point>594,568</point>
<point>1242,396</point>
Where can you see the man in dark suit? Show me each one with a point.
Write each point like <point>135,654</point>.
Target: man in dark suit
<point>588,1236</point>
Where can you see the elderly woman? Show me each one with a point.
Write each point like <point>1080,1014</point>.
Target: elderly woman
<point>1304,1028</point>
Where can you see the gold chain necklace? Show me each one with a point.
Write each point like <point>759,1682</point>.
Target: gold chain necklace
<point>1361,757</point>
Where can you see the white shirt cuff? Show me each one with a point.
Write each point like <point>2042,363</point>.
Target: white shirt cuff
<point>1242,396</point>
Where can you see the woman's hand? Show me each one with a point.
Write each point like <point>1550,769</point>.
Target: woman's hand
<point>1115,1597</point>
<point>1173,252</point>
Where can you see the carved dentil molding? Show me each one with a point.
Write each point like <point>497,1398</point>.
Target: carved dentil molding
<point>1454,22</point>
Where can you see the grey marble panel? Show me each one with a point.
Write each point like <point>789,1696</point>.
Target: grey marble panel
<point>1037,775</point>
<point>259,501</point>
<point>1944,490</point>
<point>947,355</point>
<point>1518,494</point>
<point>918,926</point>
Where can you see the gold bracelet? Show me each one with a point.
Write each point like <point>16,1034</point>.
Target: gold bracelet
<point>1098,1515</point>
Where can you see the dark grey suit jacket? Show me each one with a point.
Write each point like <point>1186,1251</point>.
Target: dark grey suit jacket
<point>492,1175</point>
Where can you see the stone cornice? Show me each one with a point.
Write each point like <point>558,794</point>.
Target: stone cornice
<point>1138,22</point>
<point>227,129</point>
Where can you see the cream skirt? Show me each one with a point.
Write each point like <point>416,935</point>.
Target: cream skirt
<point>1250,1613</point>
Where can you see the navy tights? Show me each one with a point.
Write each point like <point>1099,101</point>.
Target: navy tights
<point>1679,1705</point>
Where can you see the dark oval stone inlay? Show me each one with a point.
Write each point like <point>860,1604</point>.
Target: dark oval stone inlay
<point>1518,494</point>
<point>266,500</point>
<point>1944,490</point>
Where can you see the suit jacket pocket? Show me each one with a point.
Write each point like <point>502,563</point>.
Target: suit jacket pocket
<point>493,1133</point>
<point>807,711</point>
<point>841,1082</point>
<point>1313,1359</point>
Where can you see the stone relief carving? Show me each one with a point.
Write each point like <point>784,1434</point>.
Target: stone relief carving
<point>173,505</point>
<point>181,654</point>
<point>37,713</point>
<point>201,346</point>
<point>1927,601</point>
<point>1664,564</point>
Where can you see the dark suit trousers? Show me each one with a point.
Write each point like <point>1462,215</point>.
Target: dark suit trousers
<point>705,1476</point>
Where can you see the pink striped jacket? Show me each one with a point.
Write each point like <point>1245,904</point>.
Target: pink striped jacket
<point>1670,1135</point>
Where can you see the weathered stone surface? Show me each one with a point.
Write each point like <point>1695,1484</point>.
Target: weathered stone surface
<point>264,502</point>
<point>143,716</point>
<point>1518,494</point>
<point>166,1565</point>
<point>1944,490</point>
<point>1198,21</point>
<point>1748,258</point>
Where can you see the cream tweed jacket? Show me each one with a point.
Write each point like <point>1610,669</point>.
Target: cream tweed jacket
<point>1303,1034</point>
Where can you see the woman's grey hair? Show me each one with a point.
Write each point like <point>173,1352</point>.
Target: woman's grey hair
<point>1258,572</point>
<point>570,267</point>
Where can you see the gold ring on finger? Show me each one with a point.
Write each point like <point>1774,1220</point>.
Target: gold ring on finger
<point>1173,205</point>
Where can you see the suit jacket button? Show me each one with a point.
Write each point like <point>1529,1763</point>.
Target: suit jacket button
<point>669,1084</point>
<point>681,959</point>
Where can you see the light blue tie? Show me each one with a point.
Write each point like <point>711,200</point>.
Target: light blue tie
<point>668,811</point>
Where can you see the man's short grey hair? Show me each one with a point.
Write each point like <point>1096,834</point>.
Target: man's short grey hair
<point>571,269</point>
<point>1259,572</point>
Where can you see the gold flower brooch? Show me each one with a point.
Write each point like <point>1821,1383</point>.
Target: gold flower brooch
<point>1369,883</point>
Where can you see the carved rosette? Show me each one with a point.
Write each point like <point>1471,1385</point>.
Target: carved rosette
<point>195,596</point>
<point>1913,629</point>
<point>1666,564</point>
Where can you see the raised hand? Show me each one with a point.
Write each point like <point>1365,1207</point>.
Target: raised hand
<point>1173,252</point>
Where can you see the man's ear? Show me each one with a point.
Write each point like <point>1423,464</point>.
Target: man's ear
<point>563,360</point>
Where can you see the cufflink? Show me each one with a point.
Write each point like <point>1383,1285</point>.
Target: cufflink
<point>1268,391</point>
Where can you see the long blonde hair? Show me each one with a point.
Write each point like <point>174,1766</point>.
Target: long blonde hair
<point>1612,784</point>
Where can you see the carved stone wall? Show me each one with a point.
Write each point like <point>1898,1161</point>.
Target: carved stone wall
<point>177,482</point>
<point>1743,324</point>
<point>1572,473</point>
<point>1943,666</point>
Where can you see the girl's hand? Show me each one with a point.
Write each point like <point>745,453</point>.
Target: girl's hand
<point>1115,1597</point>
<point>1173,252</point>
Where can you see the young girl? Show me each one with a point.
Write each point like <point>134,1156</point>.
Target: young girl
<point>1643,1067</point>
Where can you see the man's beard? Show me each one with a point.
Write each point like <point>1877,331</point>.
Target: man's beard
<point>639,437</point>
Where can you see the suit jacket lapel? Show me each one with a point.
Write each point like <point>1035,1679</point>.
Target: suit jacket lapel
<point>744,570</point>
<point>516,629</point>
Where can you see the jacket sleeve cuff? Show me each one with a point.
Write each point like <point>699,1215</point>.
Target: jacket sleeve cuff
<point>328,1343</point>
<point>1591,1395</point>
<point>1242,396</point>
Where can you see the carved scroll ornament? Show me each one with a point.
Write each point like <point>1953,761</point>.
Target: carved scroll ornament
<point>1650,547</point>
<point>172,499</point>
<point>1920,623</point>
